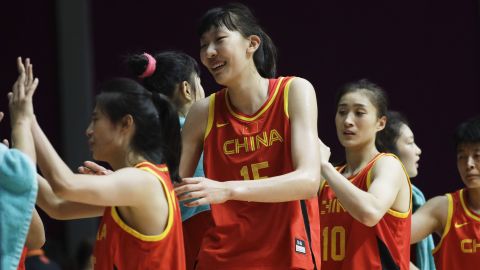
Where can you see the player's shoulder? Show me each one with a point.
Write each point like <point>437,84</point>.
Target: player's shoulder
<point>440,206</point>
<point>386,164</point>
<point>201,105</point>
<point>300,83</point>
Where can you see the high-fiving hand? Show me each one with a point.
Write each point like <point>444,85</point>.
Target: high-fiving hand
<point>20,99</point>
<point>4,141</point>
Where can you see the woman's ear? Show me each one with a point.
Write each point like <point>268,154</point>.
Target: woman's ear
<point>382,121</point>
<point>185,91</point>
<point>255,42</point>
<point>127,122</point>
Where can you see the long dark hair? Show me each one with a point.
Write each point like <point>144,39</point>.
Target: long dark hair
<point>172,68</point>
<point>157,127</point>
<point>386,140</point>
<point>238,17</point>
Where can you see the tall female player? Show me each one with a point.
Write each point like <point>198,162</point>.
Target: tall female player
<point>256,135</point>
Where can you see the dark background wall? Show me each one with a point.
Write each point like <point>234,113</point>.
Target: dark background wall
<point>424,53</point>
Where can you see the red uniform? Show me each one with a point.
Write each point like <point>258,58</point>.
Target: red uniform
<point>193,230</point>
<point>348,244</point>
<point>251,235</point>
<point>121,247</point>
<point>459,247</point>
<point>21,263</point>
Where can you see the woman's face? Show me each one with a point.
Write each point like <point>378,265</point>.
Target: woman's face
<point>224,53</point>
<point>468,164</point>
<point>408,151</point>
<point>103,136</point>
<point>356,120</point>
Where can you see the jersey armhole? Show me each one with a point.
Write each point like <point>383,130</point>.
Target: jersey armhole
<point>448,223</point>
<point>391,211</point>
<point>286,91</point>
<point>170,216</point>
<point>211,114</point>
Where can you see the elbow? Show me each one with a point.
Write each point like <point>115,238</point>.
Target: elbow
<point>35,241</point>
<point>62,184</point>
<point>38,243</point>
<point>370,218</point>
<point>413,241</point>
<point>59,190</point>
<point>62,188</point>
<point>414,235</point>
<point>62,215</point>
<point>52,207</point>
<point>63,191</point>
<point>311,185</point>
<point>57,210</point>
<point>57,214</point>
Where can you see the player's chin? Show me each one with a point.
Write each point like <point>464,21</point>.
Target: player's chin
<point>472,182</point>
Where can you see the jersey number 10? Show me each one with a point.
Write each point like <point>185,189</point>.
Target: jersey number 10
<point>334,240</point>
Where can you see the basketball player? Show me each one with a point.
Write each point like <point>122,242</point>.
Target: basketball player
<point>256,135</point>
<point>456,216</point>
<point>133,130</point>
<point>365,204</point>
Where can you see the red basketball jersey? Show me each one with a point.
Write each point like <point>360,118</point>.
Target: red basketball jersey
<point>121,247</point>
<point>459,247</point>
<point>349,244</point>
<point>21,263</point>
<point>251,235</point>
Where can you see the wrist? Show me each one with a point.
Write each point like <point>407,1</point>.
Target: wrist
<point>231,190</point>
<point>21,122</point>
<point>34,119</point>
<point>325,165</point>
<point>326,169</point>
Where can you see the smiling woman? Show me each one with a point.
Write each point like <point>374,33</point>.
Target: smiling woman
<point>257,127</point>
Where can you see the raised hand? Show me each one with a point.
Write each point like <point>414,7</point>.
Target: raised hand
<point>20,99</point>
<point>4,141</point>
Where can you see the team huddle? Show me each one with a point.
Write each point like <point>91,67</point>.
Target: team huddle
<point>240,179</point>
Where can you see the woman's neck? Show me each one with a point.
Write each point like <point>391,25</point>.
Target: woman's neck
<point>249,92</point>
<point>123,160</point>
<point>183,110</point>
<point>358,157</point>
<point>473,199</point>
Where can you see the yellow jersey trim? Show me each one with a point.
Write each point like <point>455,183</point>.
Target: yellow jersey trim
<point>391,211</point>
<point>211,114</point>
<point>322,185</point>
<point>258,114</point>
<point>162,169</point>
<point>465,207</point>
<point>285,97</point>
<point>135,233</point>
<point>449,222</point>
<point>340,170</point>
